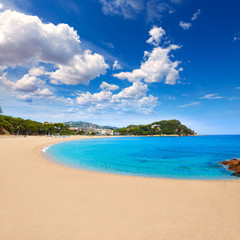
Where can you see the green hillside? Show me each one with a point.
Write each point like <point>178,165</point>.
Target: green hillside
<point>165,127</point>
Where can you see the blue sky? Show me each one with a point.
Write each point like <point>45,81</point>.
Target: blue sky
<point>121,62</point>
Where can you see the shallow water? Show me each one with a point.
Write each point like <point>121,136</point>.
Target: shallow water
<point>164,157</point>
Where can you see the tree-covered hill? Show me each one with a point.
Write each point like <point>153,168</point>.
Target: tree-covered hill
<point>19,126</point>
<point>165,127</point>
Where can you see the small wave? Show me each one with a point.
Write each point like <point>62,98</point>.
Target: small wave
<point>46,148</point>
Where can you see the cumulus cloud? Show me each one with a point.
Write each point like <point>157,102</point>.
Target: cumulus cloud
<point>25,98</point>
<point>158,67</point>
<point>116,65</point>
<point>137,90</point>
<point>81,69</point>
<point>143,105</point>
<point>47,43</point>
<point>129,99</point>
<point>195,15</point>
<point>126,8</point>
<point>62,100</point>
<point>43,92</point>
<point>185,25</point>
<point>189,104</point>
<point>27,83</point>
<point>44,42</point>
<point>37,71</point>
<point>211,96</point>
<point>107,86</point>
<point>89,99</point>
<point>156,34</point>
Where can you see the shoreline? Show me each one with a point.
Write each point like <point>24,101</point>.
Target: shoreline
<point>42,200</point>
<point>58,163</point>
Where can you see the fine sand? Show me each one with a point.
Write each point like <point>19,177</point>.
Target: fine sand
<point>43,201</point>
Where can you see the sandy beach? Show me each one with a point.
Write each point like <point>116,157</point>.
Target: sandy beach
<point>40,200</point>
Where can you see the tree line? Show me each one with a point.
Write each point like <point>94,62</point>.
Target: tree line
<point>19,126</point>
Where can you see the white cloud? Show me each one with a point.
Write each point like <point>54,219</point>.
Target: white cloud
<point>37,71</point>
<point>2,69</point>
<point>185,25</point>
<point>156,8</point>
<point>107,86</point>
<point>108,44</point>
<point>1,6</point>
<point>25,38</point>
<point>89,99</point>
<point>233,98</point>
<point>158,67</point>
<point>25,98</point>
<point>167,97</point>
<point>116,65</point>
<point>62,100</point>
<point>43,92</point>
<point>126,8</point>
<point>238,88</point>
<point>211,96</point>
<point>27,83</point>
<point>195,15</point>
<point>156,34</point>
<point>189,104</point>
<point>129,9</point>
<point>236,37</point>
<point>143,105</point>
<point>130,99</point>
<point>82,69</point>
<point>137,90</point>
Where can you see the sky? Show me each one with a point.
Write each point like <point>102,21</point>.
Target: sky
<point>122,62</point>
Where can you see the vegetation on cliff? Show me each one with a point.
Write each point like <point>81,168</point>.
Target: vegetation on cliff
<point>165,127</point>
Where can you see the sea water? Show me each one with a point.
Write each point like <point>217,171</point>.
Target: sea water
<point>195,157</point>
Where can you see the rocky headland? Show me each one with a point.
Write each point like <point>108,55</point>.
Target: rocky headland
<point>233,165</point>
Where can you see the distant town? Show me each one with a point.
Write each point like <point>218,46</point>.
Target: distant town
<point>85,128</point>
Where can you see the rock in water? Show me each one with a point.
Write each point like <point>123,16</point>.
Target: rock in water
<point>233,165</point>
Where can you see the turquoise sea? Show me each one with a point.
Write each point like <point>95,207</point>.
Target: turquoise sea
<point>162,157</point>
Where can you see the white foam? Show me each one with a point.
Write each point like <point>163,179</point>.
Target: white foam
<point>46,148</point>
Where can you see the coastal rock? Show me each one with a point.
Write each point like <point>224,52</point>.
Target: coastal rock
<point>4,131</point>
<point>233,165</point>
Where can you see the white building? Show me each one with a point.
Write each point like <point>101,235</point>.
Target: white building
<point>156,126</point>
<point>105,132</point>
